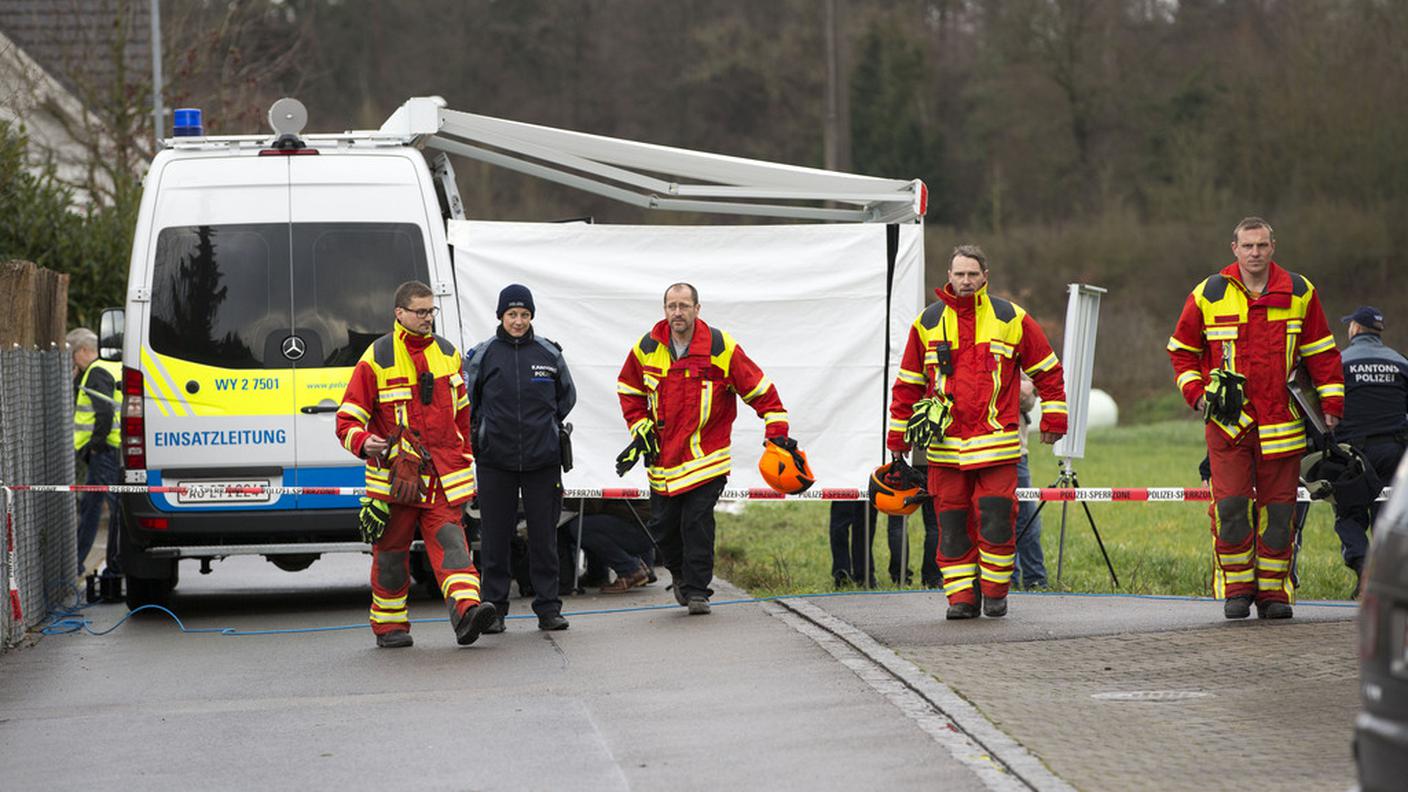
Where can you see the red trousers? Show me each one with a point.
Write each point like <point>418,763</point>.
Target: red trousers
<point>977,512</point>
<point>447,549</point>
<point>1254,501</point>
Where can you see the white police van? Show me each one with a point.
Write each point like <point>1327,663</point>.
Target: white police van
<point>261,269</point>
<point>263,266</point>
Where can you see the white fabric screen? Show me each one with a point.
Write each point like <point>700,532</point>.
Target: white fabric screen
<point>806,302</point>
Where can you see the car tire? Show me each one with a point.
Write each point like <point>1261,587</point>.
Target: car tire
<point>148,591</point>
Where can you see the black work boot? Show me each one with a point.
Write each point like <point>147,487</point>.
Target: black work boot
<point>962,610</point>
<point>496,626</point>
<point>1355,566</point>
<point>475,621</point>
<point>1237,607</point>
<point>552,622</point>
<point>396,639</point>
<point>1273,610</point>
<point>996,607</point>
<point>698,606</point>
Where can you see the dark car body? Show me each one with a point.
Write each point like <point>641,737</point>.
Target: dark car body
<point>1381,729</point>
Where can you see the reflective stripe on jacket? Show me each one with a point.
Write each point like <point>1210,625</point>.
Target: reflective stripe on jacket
<point>691,401</point>
<point>990,340</point>
<point>1263,339</point>
<point>384,392</point>
<point>95,405</point>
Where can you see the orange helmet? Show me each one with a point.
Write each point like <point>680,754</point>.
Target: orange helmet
<point>784,467</point>
<point>896,489</point>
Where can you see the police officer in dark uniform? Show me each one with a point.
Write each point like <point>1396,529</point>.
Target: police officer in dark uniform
<point>1375,421</point>
<point>520,393</point>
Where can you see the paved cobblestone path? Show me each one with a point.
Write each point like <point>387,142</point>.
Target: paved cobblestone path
<point>1268,705</point>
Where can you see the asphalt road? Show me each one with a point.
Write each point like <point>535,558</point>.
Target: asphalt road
<point>744,698</point>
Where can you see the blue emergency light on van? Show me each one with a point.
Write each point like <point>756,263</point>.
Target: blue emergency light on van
<point>186,122</point>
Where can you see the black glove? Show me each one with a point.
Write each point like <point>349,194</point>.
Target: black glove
<point>644,445</point>
<point>1223,397</point>
<point>372,519</point>
<point>784,442</point>
<point>931,419</point>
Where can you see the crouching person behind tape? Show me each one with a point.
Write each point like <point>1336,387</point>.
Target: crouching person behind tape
<point>406,412</point>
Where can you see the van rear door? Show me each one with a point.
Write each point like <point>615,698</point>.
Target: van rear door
<point>359,230</point>
<point>218,386</point>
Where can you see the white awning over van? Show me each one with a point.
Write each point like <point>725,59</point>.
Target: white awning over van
<point>660,177</point>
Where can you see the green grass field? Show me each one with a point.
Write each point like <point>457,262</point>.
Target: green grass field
<point>1156,548</point>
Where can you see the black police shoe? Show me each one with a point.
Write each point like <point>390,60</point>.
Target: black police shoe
<point>1237,607</point>
<point>996,607</point>
<point>552,623</point>
<point>474,621</point>
<point>396,639</point>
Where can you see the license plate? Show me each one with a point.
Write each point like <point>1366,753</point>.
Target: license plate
<point>208,491</point>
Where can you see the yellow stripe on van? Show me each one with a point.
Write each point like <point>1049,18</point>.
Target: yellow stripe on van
<point>223,391</point>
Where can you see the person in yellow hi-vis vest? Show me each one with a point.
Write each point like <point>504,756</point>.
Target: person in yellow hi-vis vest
<point>96,439</point>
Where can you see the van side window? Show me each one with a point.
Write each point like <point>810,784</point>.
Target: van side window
<point>219,293</point>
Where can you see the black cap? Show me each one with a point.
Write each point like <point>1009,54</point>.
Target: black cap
<point>1366,316</point>
<point>515,295</point>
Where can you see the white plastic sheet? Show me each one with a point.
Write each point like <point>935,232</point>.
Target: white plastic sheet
<point>808,303</point>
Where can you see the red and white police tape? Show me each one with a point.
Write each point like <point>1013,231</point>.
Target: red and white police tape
<point>1034,494</point>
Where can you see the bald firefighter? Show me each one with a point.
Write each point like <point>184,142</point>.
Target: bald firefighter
<point>957,397</point>
<point>406,412</point>
<point>1241,332</point>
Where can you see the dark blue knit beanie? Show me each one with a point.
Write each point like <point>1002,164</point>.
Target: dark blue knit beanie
<point>515,295</point>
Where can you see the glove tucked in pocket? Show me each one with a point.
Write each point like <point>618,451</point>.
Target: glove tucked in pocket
<point>1223,397</point>
<point>406,468</point>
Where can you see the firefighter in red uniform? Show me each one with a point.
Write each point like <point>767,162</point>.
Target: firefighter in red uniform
<point>409,386</point>
<point>677,394</point>
<point>1242,331</point>
<point>957,396</point>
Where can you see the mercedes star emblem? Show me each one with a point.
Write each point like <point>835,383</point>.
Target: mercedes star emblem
<point>294,347</point>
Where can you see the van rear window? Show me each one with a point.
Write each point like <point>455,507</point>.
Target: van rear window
<point>227,295</point>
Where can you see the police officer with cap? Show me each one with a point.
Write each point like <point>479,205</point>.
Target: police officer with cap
<point>1375,421</point>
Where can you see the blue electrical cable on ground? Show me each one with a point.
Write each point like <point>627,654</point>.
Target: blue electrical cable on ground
<point>69,621</point>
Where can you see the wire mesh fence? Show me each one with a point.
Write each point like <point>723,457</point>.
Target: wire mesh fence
<point>38,550</point>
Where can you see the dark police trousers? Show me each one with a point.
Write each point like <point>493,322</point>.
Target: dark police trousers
<point>1352,525</point>
<point>683,527</point>
<point>498,513</point>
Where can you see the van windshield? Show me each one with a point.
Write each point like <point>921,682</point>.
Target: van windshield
<point>226,295</point>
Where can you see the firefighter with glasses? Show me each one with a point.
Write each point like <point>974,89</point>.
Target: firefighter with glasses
<point>406,412</point>
<point>1241,333</point>
<point>956,397</point>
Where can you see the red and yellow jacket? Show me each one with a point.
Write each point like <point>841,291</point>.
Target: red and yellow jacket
<point>1263,339</point>
<point>384,393</point>
<point>990,339</point>
<point>691,403</point>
